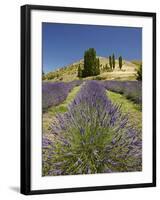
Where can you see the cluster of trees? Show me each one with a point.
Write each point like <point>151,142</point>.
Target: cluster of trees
<point>112,62</point>
<point>91,64</point>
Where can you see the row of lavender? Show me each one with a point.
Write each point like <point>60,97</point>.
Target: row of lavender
<point>130,89</point>
<point>92,137</point>
<point>54,93</point>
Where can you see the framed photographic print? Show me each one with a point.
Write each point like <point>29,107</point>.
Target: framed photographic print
<point>88,99</point>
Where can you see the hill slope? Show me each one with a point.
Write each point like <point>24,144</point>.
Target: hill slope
<point>69,73</point>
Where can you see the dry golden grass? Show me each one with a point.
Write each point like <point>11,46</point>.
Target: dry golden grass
<point>69,73</point>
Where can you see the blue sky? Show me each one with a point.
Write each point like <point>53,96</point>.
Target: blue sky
<point>63,44</point>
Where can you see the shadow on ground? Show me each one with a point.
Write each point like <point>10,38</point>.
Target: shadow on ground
<point>14,188</point>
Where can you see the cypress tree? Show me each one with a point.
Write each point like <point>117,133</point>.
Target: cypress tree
<point>110,62</point>
<point>86,69</point>
<point>120,62</point>
<point>113,61</point>
<point>91,65</point>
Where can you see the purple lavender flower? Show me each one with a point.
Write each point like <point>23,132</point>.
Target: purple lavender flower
<point>131,89</point>
<point>99,137</point>
<point>54,93</point>
<point>45,142</point>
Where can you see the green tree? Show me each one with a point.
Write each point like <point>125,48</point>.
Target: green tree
<point>139,73</point>
<point>110,62</point>
<point>120,62</point>
<point>91,63</point>
<point>113,61</point>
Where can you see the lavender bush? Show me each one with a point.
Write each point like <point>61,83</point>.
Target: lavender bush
<point>130,89</point>
<point>47,153</point>
<point>54,93</point>
<point>93,137</point>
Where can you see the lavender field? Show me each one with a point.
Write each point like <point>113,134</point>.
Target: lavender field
<point>130,89</point>
<point>89,127</point>
<point>55,93</point>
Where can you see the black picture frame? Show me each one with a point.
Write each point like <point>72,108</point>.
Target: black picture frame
<point>26,98</point>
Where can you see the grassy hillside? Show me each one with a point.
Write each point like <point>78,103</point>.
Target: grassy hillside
<point>69,72</point>
<point>137,62</point>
